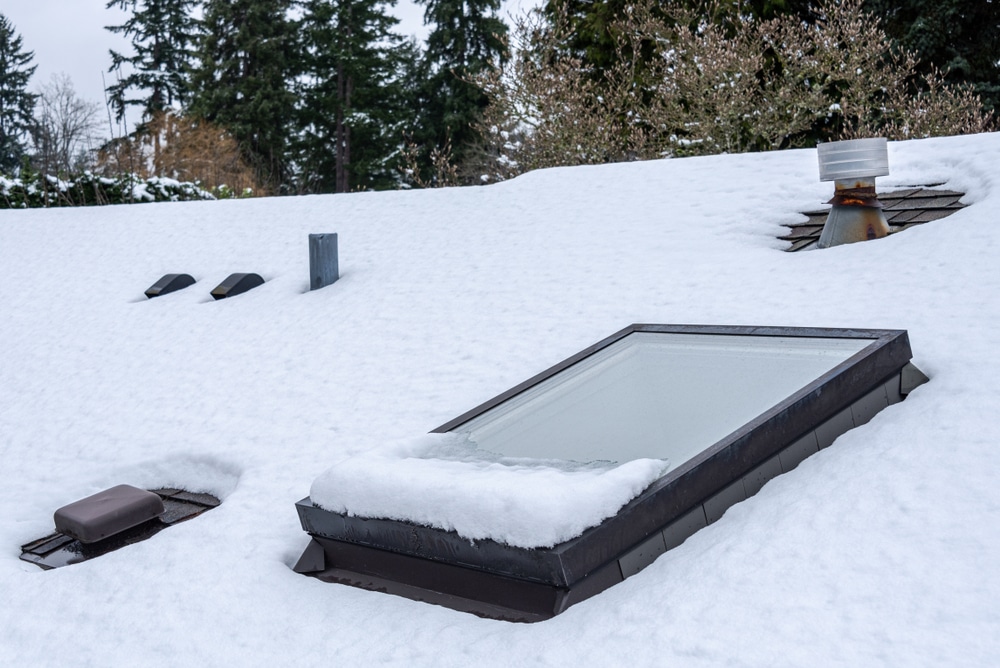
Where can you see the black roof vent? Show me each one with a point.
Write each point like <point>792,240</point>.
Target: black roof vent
<point>169,283</point>
<point>236,284</point>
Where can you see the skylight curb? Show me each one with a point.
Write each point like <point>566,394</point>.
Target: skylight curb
<point>691,495</point>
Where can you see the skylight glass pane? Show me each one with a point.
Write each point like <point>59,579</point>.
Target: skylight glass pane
<point>656,395</point>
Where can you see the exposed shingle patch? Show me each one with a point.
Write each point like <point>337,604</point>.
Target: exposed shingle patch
<point>903,209</point>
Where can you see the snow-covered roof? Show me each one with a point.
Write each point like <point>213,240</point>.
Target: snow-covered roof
<point>881,549</point>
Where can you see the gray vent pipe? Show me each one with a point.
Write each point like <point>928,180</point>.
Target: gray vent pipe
<point>856,214</point>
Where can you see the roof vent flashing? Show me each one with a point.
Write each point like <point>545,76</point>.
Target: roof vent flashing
<point>110,520</point>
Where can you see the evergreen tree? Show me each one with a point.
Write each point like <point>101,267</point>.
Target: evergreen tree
<point>467,38</point>
<point>242,80</point>
<point>352,102</point>
<point>961,38</point>
<point>16,103</point>
<point>161,32</point>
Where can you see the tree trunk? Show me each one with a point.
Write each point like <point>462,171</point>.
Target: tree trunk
<point>347,138</point>
<point>340,177</point>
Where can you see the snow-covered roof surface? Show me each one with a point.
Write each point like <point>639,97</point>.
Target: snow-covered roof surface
<point>883,549</point>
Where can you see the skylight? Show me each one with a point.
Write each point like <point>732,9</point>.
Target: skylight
<point>728,408</point>
<point>656,395</point>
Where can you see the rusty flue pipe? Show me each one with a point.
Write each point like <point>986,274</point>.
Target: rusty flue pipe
<point>856,213</point>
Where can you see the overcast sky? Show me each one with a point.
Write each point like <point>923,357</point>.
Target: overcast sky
<point>69,36</point>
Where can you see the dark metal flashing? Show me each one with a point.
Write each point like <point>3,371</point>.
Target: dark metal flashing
<point>902,209</point>
<point>468,590</point>
<point>910,379</point>
<point>674,506</point>
<point>58,549</point>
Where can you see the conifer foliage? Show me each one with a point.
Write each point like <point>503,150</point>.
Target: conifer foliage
<point>242,81</point>
<point>467,38</point>
<point>161,34</point>
<point>16,103</point>
<point>352,102</point>
<point>323,96</point>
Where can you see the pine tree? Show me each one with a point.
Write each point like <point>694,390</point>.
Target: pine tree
<point>161,32</point>
<point>242,80</point>
<point>352,95</point>
<point>16,103</point>
<point>467,38</point>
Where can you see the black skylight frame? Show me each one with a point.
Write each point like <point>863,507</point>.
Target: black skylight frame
<point>496,580</point>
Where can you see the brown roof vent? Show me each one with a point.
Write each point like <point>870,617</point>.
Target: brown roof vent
<point>108,513</point>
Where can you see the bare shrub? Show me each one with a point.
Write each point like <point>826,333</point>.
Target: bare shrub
<point>186,149</point>
<point>936,110</point>
<point>753,85</point>
<point>544,110</point>
<point>844,64</point>
<point>123,155</point>
<point>444,171</point>
<point>65,130</point>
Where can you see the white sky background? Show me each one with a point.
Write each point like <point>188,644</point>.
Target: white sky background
<point>69,36</point>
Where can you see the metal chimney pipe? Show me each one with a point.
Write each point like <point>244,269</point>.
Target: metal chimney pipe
<point>856,214</point>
